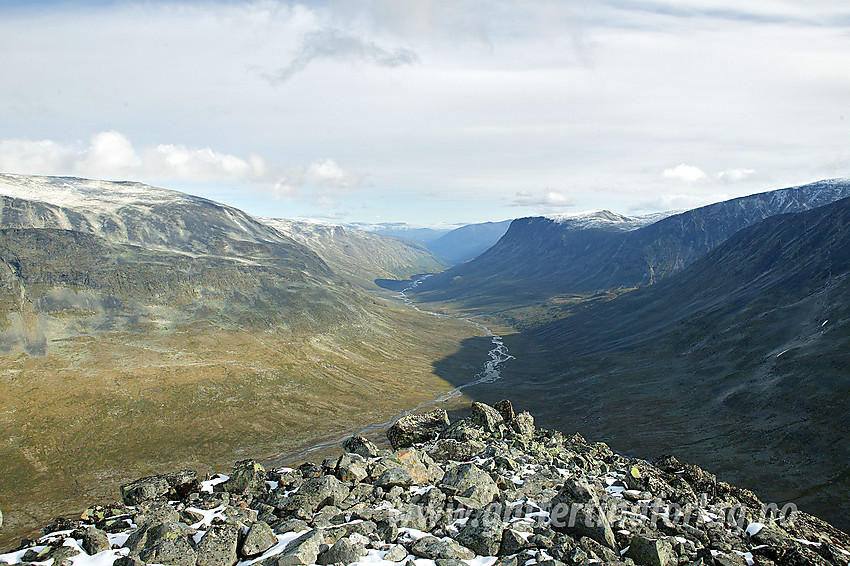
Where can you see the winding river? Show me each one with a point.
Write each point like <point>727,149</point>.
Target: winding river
<point>490,372</point>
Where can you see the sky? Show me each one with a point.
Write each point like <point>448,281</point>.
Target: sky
<point>430,112</point>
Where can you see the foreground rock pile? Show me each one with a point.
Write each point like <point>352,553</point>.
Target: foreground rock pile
<point>490,489</point>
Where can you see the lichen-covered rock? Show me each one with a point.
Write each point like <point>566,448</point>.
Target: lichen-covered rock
<point>576,510</point>
<point>361,446</point>
<point>218,546</point>
<point>95,541</point>
<point>412,429</point>
<point>303,550</point>
<point>259,539</point>
<point>482,533</point>
<point>471,483</point>
<point>433,548</point>
<point>344,551</point>
<point>248,478</point>
<point>651,552</point>
<point>145,489</point>
<point>486,417</point>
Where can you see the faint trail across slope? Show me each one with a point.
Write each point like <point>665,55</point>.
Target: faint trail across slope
<point>490,372</point>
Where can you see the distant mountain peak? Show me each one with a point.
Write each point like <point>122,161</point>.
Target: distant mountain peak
<point>606,219</point>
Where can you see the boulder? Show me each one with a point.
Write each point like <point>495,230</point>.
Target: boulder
<point>412,429</point>
<point>218,546</point>
<point>486,417</point>
<point>361,446</point>
<point>576,511</point>
<point>432,548</point>
<point>523,425</point>
<point>394,477</point>
<point>482,533</point>
<point>506,409</point>
<point>471,484</point>
<point>248,478</point>
<point>449,449</point>
<point>259,539</point>
<point>303,550</point>
<point>512,543</point>
<point>95,541</point>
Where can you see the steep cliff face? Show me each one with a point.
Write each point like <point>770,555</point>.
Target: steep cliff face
<point>541,257</point>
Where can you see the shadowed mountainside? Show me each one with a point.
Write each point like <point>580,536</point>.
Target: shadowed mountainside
<point>539,258</point>
<point>738,363</point>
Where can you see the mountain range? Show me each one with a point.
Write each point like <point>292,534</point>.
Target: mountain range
<point>579,254</point>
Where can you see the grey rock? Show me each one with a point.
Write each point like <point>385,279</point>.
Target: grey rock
<point>577,499</point>
<point>470,482</point>
<point>482,533</point>
<point>150,512</point>
<point>95,540</point>
<point>394,477</point>
<point>449,562</point>
<point>218,546</point>
<point>412,429</point>
<point>486,417</point>
<point>321,491</point>
<point>248,478</point>
<point>344,551</point>
<point>523,424</point>
<point>144,489</point>
<point>651,552</point>
<point>450,449</point>
<point>432,548</point>
<point>512,543</point>
<point>259,539</point>
<point>128,561</point>
<point>163,543</point>
<point>464,431</point>
<point>181,483</point>
<point>396,553</point>
<point>350,470</point>
<point>303,550</point>
<point>361,446</point>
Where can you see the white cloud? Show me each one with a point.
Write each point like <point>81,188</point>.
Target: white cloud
<point>545,198</point>
<point>735,175</point>
<point>678,201</point>
<point>686,173</point>
<point>111,155</point>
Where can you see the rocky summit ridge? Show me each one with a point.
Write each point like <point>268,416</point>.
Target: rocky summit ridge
<point>487,490</point>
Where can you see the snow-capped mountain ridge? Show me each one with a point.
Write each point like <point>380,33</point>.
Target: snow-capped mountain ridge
<point>127,213</point>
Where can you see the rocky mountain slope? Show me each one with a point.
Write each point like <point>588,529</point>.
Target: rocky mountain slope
<point>488,490</point>
<point>539,257</point>
<point>360,256</point>
<point>737,362</point>
<point>467,242</point>
<point>142,327</point>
